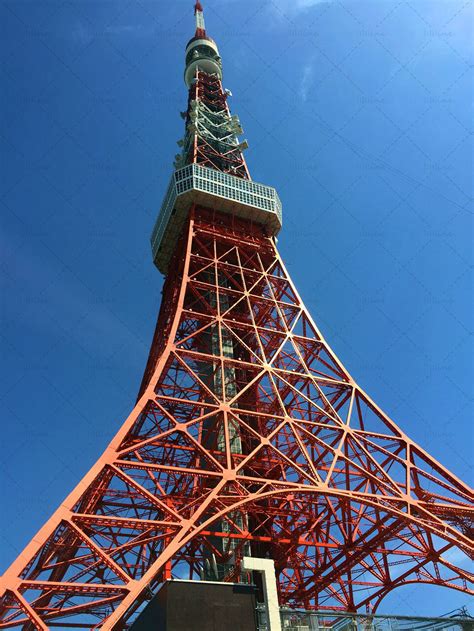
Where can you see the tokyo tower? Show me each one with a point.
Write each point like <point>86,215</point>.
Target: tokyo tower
<point>249,438</point>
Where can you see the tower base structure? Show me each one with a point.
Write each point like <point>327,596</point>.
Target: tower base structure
<point>199,606</point>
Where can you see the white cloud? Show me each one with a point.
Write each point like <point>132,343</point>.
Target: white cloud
<point>306,81</point>
<point>294,6</point>
<point>281,7</point>
<point>304,4</point>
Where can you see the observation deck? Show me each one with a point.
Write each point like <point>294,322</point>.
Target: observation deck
<point>196,184</point>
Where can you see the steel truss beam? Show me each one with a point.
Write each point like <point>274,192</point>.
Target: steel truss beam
<point>323,481</point>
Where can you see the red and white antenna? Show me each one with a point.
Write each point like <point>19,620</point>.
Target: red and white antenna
<point>199,14</point>
<point>201,50</point>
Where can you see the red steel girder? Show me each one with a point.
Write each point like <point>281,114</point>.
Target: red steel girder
<point>347,505</point>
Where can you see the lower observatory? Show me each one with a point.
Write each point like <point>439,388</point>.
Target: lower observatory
<point>251,453</point>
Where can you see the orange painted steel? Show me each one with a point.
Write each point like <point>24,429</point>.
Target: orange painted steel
<point>347,505</point>
<point>248,437</point>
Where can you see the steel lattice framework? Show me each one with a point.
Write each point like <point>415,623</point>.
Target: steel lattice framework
<point>248,437</point>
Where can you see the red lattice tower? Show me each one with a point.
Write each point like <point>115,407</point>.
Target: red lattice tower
<point>249,437</point>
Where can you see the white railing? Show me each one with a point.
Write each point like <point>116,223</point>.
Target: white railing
<point>298,620</point>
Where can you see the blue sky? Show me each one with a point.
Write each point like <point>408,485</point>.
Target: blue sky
<point>359,113</point>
